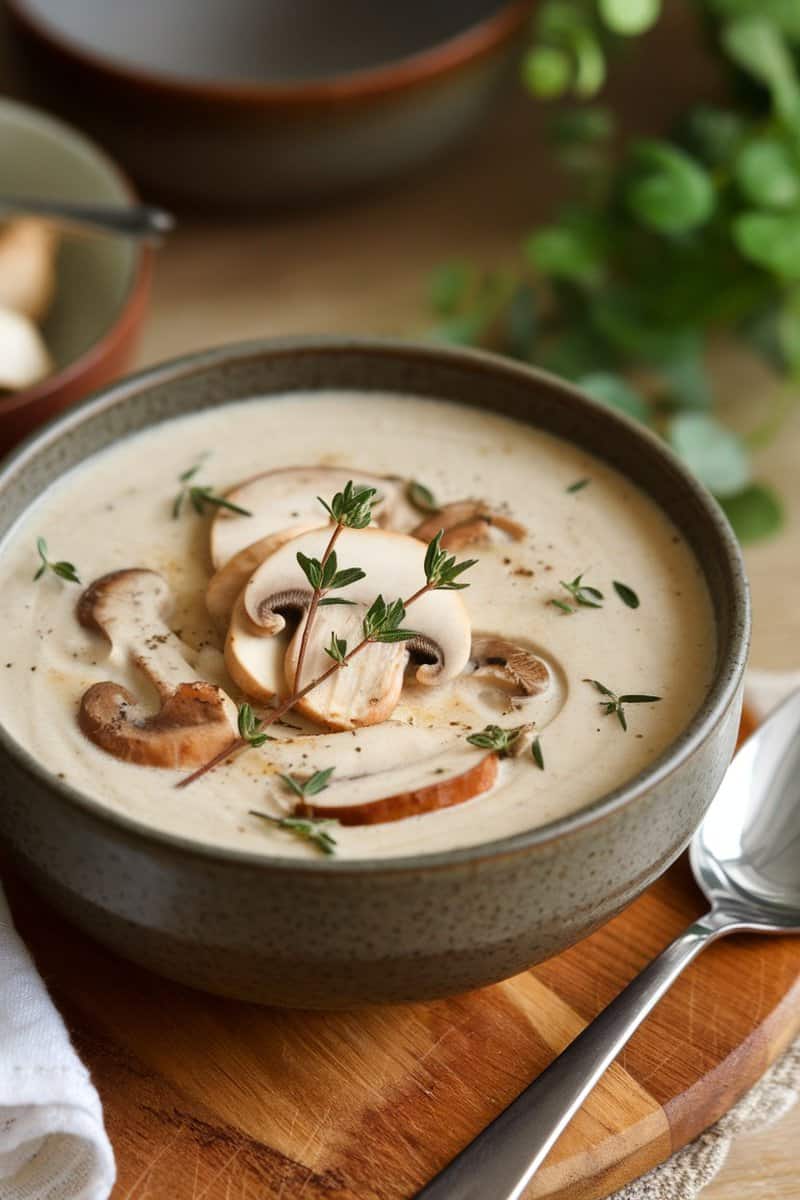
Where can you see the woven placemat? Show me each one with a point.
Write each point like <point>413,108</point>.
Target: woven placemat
<point>683,1176</point>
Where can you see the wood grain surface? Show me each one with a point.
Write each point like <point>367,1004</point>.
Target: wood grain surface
<point>209,1100</point>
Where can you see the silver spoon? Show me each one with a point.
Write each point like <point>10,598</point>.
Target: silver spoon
<point>137,221</point>
<point>746,858</point>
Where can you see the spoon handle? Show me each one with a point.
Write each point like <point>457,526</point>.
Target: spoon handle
<point>137,221</point>
<point>503,1158</point>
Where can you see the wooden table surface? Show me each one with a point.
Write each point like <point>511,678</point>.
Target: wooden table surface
<point>360,266</point>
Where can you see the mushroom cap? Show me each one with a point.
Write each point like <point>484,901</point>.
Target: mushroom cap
<point>509,665</point>
<point>253,658</point>
<point>466,523</point>
<point>24,358</point>
<point>287,499</point>
<point>191,727</point>
<point>226,584</point>
<point>364,693</point>
<point>195,719</point>
<point>394,566</point>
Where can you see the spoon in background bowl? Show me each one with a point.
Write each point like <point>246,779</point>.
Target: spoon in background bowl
<point>746,859</point>
<point>141,221</point>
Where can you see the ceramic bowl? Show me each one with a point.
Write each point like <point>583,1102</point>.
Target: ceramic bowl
<point>270,100</point>
<point>102,282</point>
<point>333,933</point>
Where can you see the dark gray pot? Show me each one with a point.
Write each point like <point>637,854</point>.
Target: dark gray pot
<point>328,934</point>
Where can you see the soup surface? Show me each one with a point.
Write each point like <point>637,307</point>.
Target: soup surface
<point>580,518</point>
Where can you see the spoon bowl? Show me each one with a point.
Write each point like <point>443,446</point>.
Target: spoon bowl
<point>746,854</point>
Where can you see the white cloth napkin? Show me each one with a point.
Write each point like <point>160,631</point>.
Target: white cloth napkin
<point>53,1145</point>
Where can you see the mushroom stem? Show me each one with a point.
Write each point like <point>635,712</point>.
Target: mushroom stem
<point>314,605</point>
<point>238,744</point>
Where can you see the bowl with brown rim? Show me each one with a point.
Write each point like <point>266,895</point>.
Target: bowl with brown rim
<point>102,283</point>
<point>324,933</point>
<point>269,100</point>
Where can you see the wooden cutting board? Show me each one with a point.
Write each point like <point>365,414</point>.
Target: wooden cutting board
<point>209,1099</point>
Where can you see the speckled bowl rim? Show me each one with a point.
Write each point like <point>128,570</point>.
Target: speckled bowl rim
<point>727,678</point>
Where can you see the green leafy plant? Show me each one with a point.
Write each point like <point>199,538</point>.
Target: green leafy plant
<point>666,244</point>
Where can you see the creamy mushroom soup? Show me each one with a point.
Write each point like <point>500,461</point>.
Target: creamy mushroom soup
<point>580,648</point>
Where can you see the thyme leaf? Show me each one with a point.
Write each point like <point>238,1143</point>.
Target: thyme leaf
<point>582,593</point>
<point>63,569</point>
<point>250,727</point>
<point>442,569</point>
<point>307,828</point>
<point>626,594</point>
<point>312,786</point>
<point>614,704</point>
<point>422,497</point>
<point>493,737</point>
<point>352,506</point>
<point>199,495</point>
<point>382,622</point>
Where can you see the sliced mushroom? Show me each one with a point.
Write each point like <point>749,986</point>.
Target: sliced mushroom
<point>508,665</point>
<point>226,584</point>
<point>195,719</point>
<point>467,523</point>
<point>27,267</point>
<point>394,566</point>
<point>287,499</point>
<point>254,658</point>
<point>366,691</point>
<point>441,782</point>
<point>24,359</point>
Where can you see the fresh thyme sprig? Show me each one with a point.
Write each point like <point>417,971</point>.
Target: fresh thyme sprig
<point>582,593</point>
<point>324,576</point>
<point>441,568</point>
<point>422,497</point>
<point>381,623</point>
<point>614,703</point>
<point>578,485</point>
<point>250,730</point>
<point>307,828</point>
<point>200,495</point>
<point>337,650</point>
<point>312,786</point>
<point>493,737</point>
<point>352,506</point>
<point>64,570</point>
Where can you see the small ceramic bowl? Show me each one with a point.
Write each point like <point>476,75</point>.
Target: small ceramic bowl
<point>247,101</point>
<point>102,282</point>
<point>323,933</point>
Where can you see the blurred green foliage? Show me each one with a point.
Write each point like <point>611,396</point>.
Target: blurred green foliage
<point>671,241</point>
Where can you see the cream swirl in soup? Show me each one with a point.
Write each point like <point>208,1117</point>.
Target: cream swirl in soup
<point>506,710</point>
